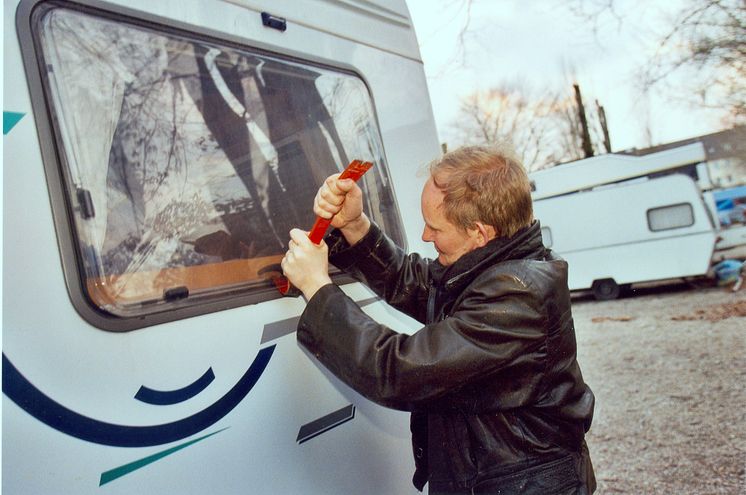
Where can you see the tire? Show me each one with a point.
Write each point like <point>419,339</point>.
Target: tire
<point>605,289</point>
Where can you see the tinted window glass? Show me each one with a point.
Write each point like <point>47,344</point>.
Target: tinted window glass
<point>187,162</point>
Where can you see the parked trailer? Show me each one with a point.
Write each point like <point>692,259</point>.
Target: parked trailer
<point>621,222</point>
<point>156,154</point>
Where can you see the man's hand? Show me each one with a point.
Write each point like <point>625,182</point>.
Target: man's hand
<point>306,265</point>
<point>342,201</point>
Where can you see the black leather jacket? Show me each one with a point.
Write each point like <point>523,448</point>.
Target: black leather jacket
<point>497,398</point>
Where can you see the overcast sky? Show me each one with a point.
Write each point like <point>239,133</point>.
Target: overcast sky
<point>540,43</point>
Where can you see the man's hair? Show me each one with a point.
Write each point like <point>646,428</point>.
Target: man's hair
<point>484,184</point>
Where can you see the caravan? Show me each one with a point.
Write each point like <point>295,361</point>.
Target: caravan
<point>156,154</point>
<point>620,220</point>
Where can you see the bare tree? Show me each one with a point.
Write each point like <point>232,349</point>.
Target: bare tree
<point>700,56</point>
<point>706,44</point>
<point>542,126</point>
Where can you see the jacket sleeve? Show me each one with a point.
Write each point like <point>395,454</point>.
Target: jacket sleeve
<point>486,335</point>
<point>401,280</point>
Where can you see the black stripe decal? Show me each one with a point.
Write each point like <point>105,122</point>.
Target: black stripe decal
<point>326,423</point>
<point>168,397</point>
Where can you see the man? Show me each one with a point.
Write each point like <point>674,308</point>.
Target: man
<point>497,398</point>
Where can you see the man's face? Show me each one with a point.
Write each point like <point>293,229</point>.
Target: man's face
<point>450,241</point>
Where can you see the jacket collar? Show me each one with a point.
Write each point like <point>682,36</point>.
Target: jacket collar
<point>526,243</point>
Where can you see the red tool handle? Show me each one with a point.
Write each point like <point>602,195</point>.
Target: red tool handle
<point>354,171</point>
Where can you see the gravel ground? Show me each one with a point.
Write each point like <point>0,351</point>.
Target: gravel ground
<point>668,367</point>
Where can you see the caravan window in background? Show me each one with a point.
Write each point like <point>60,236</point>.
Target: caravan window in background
<point>186,162</point>
<point>670,217</point>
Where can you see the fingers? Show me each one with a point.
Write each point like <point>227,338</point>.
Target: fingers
<point>298,237</point>
<point>305,264</point>
<point>300,244</point>
<point>339,201</point>
<point>331,195</point>
<point>339,187</point>
<point>345,185</point>
<point>322,207</point>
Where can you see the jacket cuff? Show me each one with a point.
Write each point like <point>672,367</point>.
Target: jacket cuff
<point>344,256</point>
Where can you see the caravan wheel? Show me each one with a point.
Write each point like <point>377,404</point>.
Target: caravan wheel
<point>605,289</point>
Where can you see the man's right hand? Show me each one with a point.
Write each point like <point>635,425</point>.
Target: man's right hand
<point>342,201</point>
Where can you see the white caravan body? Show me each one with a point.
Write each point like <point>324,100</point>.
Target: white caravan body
<point>610,168</point>
<point>155,155</point>
<point>615,232</point>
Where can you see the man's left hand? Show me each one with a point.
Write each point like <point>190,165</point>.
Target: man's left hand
<point>306,265</point>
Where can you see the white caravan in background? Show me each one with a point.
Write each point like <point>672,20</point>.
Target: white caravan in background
<point>620,220</point>
<point>156,154</point>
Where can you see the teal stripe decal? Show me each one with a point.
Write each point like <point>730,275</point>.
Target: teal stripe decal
<point>115,473</point>
<point>10,119</point>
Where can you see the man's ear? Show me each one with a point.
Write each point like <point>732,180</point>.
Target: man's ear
<point>484,233</point>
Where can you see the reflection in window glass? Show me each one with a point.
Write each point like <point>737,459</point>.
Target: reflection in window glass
<point>188,163</point>
<point>670,217</point>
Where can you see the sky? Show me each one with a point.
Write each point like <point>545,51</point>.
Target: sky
<point>540,43</point>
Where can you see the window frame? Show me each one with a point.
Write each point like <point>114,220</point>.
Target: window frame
<point>56,168</point>
<point>650,210</point>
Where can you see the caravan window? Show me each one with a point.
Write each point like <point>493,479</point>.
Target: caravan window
<point>670,217</point>
<point>186,161</point>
